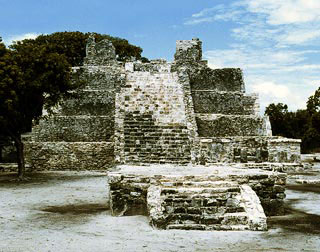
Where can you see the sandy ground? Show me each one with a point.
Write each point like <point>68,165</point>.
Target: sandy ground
<point>68,211</point>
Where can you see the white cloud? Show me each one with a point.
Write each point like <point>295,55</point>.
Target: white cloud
<point>278,75</point>
<point>271,44</point>
<point>285,22</point>
<point>8,41</point>
<point>285,11</point>
<point>271,92</point>
<point>300,36</point>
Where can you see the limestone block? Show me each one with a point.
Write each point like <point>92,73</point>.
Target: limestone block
<point>216,125</point>
<point>99,77</point>
<point>252,205</point>
<point>226,79</point>
<point>188,50</point>
<point>284,150</point>
<point>74,129</point>
<point>99,53</point>
<point>229,103</point>
<point>89,102</point>
<point>69,156</point>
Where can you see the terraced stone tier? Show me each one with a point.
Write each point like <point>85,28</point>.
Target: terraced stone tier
<point>89,102</point>
<point>217,125</point>
<point>225,79</point>
<point>229,103</point>
<point>99,77</point>
<point>74,129</point>
<point>69,156</point>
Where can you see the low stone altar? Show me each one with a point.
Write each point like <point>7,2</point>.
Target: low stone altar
<point>197,197</point>
<point>183,143</point>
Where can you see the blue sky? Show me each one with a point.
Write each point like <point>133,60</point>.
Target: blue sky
<point>276,43</point>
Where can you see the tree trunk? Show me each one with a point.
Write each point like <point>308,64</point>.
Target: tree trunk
<point>20,156</point>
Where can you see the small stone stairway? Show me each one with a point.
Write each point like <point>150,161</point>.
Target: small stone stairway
<point>205,205</point>
<point>146,142</point>
<point>154,121</point>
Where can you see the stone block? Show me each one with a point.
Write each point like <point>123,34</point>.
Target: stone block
<point>229,103</point>
<point>211,125</point>
<point>69,156</point>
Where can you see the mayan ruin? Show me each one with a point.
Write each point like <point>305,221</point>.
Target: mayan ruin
<point>183,143</point>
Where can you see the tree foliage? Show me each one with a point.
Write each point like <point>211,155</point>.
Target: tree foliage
<point>313,103</point>
<point>73,45</point>
<point>35,74</point>
<point>302,124</point>
<point>31,77</point>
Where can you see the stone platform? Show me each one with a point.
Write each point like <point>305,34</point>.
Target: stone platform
<point>197,197</point>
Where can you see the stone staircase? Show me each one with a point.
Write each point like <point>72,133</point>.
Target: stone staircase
<point>205,205</point>
<point>154,120</point>
<point>146,142</point>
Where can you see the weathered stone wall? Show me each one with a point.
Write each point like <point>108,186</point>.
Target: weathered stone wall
<point>188,50</point>
<point>100,53</point>
<point>69,156</point>
<point>214,125</point>
<point>189,110</point>
<point>284,150</point>
<point>155,66</point>
<point>229,103</point>
<point>89,103</point>
<point>110,77</point>
<point>247,149</point>
<point>226,79</point>
<point>8,153</point>
<point>218,207</point>
<point>74,129</point>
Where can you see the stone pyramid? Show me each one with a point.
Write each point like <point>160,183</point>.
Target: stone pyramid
<point>189,144</point>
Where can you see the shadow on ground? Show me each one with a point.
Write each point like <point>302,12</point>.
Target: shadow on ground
<point>68,215</point>
<point>77,209</point>
<point>315,188</point>
<point>8,180</point>
<point>296,220</point>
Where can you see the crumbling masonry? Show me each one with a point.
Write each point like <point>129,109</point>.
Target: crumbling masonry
<point>189,146</point>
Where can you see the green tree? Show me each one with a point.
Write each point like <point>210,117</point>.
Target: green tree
<point>73,45</point>
<point>277,114</point>
<point>31,77</point>
<point>313,103</point>
<point>35,74</point>
<point>302,124</point>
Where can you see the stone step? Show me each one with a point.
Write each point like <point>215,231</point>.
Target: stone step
<point>196,191</point>
<point>209,227</point>
<point>228,219</point>
<point>205,208</point>
<point>154,126</point>
<point>199,184</point>
<point>149,162</point>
